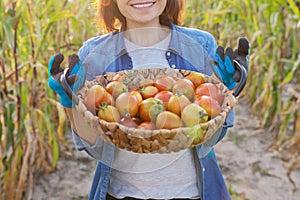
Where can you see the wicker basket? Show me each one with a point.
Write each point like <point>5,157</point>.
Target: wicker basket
<point>154,141</point>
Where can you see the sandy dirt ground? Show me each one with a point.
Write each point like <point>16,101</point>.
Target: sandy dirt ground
<point>251,169</point>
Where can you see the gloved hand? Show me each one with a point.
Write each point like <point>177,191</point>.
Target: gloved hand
<point>225,68</point>
<point>76,78</point>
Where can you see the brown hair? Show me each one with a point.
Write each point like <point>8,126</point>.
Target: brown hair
<point>111,18</point>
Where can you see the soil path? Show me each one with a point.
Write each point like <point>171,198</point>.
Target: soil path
<point>252,171</point>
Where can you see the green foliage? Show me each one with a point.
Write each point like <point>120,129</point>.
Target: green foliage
<point>273,30</point>
<point>31,119</point>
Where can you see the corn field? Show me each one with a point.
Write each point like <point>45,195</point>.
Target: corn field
<point>33,123</point>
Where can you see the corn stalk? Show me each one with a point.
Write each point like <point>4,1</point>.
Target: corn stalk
<point>273,29</point>
<point>31,32</point>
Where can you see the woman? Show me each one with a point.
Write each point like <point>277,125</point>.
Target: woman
<point>145,34</point>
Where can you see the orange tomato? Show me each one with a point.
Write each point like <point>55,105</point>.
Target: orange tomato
<point>148,91</point>
<point>147,126</point>
<point>193,114</point>
<point>168,120</point>
<point>150,108</point>
<point>137,95</point>
<point>119,77</point>
<point>196,78</point>
<point>127,103</point>
<point>109,113</point>
<point>115,88</point>
<point>94,97</point>
<point>108,98</point>
<point>177,103</point>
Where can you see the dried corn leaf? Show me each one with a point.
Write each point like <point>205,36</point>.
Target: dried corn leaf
<point>61,121</point>
<point>23,176</point>
<point>52,149</point>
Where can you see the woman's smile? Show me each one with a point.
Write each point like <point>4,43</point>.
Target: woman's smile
<point>141,13</point>
<point>141,5</point>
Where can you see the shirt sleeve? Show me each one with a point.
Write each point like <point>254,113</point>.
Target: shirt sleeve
<point>94,150</point>
<point>81,144</point>
<point>211,47</point>
<point>83,53</point>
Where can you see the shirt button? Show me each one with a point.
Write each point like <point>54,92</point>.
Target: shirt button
<point>203,169</point>
<point>173,66</point>
<point>168,54</point>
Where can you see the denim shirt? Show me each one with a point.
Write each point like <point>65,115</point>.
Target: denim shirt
<point>189,49</point>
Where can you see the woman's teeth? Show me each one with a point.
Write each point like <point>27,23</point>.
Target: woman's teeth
<point>142,5</point>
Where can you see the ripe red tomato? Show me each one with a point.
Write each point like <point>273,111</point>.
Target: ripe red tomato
<point>185,87</point>
<point>164,96</point>
<point>127,103</point>
<point>168,120</point>
<point>94,97</point>
<point>193,114</point>
<point>209,89</point>
<point>109,113</point>
<point>211,105</point>
<point>177,103</point>
<point>164,83</point>
<point>196,78</point>
<point>150,108</point>
<point>148,91</point>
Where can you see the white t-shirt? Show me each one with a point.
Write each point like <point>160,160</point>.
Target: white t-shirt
<point>158,176</point>
<point>148,57</point>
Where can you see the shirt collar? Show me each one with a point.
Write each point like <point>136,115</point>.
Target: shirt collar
<point>120,44</point>
<point>175,41</point>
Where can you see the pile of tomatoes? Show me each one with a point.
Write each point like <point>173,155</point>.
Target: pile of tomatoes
<point>162,103</point>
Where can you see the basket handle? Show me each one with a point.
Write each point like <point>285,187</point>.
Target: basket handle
<point>67,88</point>
<point>243,79</point>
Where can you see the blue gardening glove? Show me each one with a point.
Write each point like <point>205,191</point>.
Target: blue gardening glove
<point>75,79</point>
<point>225,68</point>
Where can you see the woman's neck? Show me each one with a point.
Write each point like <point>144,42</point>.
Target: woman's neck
<point>146,36</point>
